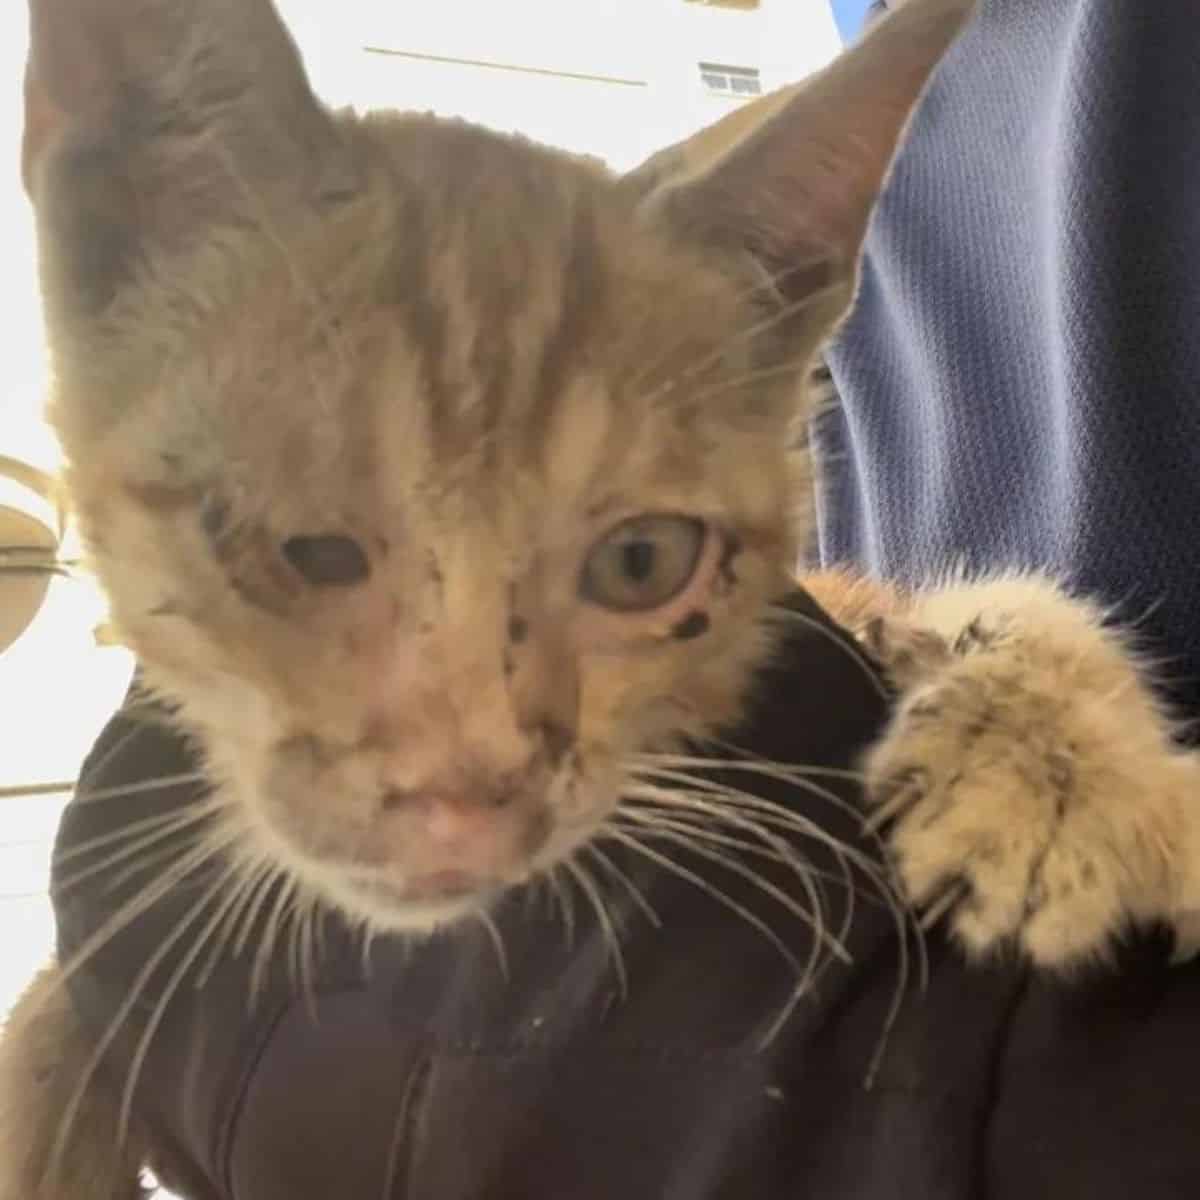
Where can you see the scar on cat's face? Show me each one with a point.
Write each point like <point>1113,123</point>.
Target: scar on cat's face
<point>437,477</point>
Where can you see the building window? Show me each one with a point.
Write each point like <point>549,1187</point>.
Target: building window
<point>725,80</point>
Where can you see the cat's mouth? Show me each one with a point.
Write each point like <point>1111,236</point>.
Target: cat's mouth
<point>447,885</point>
<point>435,894</point>
<point>428,859</point>
<point>418,901</point>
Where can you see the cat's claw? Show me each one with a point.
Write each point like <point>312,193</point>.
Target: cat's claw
<point>1029,790</point>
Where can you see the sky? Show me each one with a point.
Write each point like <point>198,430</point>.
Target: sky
<point>849,16</point>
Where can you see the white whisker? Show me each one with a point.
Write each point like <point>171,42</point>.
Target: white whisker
<point>266,948</point>
<point>781,315</point>
<point>771,812</point>
<point>136,988</point>
<point>142,1049</point>
<point>698,881</point>
<point>94,795</point>
<point>307,916</point>
<point>814,920</point>
<point>130,830</point>
<point>96,769</point>
<point>712,801</point>
<point>493,932</point>
<point>566,903</point>
<point>635,893</point>
<point>368,941</point>
<point>293,919</point>
<point>792,366</point>
<point>746,760</point>
<point>214,844</point>
<point>843,644</point>
<point>588,887</point>
<point>248,886</point>
<point>148,864</point>
<point>173,825</point>
<point>271,874</point>
<point>705,824</point>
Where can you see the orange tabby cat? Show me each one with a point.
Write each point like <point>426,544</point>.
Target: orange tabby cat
<point>440,473</point>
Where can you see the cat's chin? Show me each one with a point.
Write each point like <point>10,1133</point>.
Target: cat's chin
<point>381,880</point>
<point>415,906</point>
<point>389,903</point>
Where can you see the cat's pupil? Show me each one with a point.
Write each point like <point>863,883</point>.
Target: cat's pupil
<point>327,560</point>
<point>642,563</point>
<point>638,561</point>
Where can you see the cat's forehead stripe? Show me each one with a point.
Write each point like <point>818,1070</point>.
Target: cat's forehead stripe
<point>499,316</point>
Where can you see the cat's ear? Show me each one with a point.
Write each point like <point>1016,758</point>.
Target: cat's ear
<point>793,177</point>
<point>148,122</point>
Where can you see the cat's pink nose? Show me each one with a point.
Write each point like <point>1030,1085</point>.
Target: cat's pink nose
<point>453,822</point>
<point>453,819</point>
<point>484,837</point>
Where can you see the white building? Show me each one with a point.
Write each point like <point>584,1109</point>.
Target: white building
<point>615,78</point>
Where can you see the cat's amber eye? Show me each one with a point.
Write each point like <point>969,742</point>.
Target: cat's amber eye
<point>327,560</point>
<point>643,563</point>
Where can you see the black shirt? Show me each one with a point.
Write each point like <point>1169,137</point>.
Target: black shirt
<point>438,1070</point>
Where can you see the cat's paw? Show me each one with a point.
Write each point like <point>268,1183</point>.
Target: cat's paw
<point>1028,784</point>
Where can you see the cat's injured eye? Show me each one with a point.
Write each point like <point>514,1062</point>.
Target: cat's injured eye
<point>643,563</point>
<point>328,560</point>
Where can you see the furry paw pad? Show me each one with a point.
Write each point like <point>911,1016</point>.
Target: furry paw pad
<point>1029,789</point>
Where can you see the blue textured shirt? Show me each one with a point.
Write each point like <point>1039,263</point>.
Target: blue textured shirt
<point>1020,381</point>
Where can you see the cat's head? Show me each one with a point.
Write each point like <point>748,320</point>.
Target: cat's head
<point>434,473</point>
